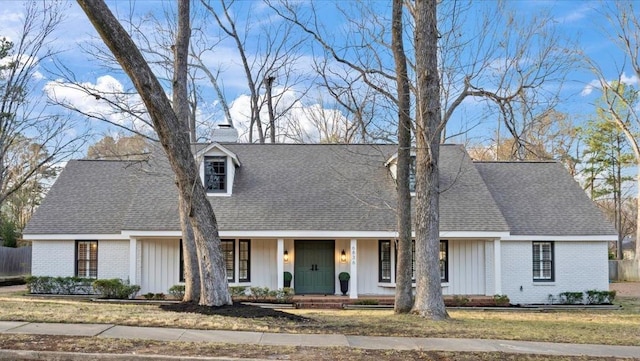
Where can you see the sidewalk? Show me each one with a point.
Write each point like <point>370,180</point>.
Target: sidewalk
<point>311,340</point>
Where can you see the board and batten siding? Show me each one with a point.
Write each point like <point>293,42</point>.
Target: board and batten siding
<point>160,265</point>
<point>264,263</point>
<point>467,269</point>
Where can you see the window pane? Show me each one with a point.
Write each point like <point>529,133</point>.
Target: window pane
<point>244,261</point>
<point>215,174</point>
<point>444,249</point>
<point>385,261</point>
<point>227,247</point>
<point>87,259</point>
<point>543,261</point>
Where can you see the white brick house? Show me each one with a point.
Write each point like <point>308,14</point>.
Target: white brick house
<point>524,229</point>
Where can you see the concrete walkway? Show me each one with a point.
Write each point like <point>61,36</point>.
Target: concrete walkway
<point>311,340</point>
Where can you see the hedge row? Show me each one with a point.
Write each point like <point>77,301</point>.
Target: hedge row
<point>106,288</point>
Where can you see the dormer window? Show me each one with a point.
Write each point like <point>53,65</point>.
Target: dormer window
<point>392,163</point>
<point>215,175</point>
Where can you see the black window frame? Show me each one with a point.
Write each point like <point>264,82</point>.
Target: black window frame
<point>181,264</point>
<point>244,260</point>
<point>93,264</point>
<point>444,262</point>
<point>223,175</point>
<point>382,262</point>
<point>230,271</point>
<point>230,264</point>
<point>536,266</point>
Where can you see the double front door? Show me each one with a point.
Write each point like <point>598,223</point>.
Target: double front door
<point>314,267</point>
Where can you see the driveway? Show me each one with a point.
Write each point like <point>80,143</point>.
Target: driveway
<point>626,289</point>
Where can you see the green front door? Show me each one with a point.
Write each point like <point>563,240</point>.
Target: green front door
<point>314,267</point>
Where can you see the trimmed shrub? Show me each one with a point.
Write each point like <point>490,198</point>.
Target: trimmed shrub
<point>177,291</point>
<point>501,300</point>
<point>284,295</point>
<point>571,298</point>
<point>238,291</point>
<point>344,276</point>
<point>595,297</point>
<point>460,301</point>
<point>60,285</point>
<point>115,288</point>
<point>259,293</point>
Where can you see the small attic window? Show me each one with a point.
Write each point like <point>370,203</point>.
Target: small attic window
<point>215,174</point>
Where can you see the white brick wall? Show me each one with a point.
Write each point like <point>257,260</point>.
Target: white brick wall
<point>113,259</point>
<point>57,259</point>
<point>53,258</point>
<point>579,266</point>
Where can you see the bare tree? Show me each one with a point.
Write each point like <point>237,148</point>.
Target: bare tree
<point>271,63</point>
<point>172,133</point>
<point>618,103</point>
<point>429,127</point>
<point>33,140</point>
<point>193,270</point>
<point>121,147</point>
<point>404,291</point>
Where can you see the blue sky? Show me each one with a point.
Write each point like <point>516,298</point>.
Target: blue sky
<point>577,20</point>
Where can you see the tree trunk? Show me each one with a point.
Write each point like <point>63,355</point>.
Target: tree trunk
<point>404,294</point>
<point>190,255</point>
<point>429,302</point>
<point>173,136</point>
<point>182,110</point>
<point>637,254</point>
<point>268,83</point>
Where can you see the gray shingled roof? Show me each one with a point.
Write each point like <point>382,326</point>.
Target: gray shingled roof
<point>87,197</point>
<point>288,187</point>
<point>541,198</point>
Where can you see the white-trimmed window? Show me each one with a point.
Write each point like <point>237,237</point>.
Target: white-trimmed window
<point>87,259</point>
<point>543,261</point>
<point>215,174</point>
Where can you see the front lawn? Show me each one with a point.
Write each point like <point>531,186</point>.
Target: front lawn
<point>617,327</point>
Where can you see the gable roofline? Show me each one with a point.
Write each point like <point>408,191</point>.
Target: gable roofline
<point>220,147</point>
<point>394,156</point>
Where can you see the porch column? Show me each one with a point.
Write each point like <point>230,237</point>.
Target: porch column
<point>133,259</point>
<point>280,263</point>
<point>353,269</point>
<point>497,267</point>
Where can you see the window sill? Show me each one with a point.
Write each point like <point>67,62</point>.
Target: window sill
<point>218,194</point>
<point>544,283</point>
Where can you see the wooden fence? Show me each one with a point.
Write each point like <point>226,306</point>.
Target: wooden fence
<point>625,270</point>
<point>15,261</point>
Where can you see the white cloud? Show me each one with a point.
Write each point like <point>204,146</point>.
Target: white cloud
<point>629,80</point>
<point>595,84</point>
<point>588,89</point>
<point>295,121</point>
<point>94,101</point>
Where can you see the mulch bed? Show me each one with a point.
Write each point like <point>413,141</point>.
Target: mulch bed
<point>235,310</point>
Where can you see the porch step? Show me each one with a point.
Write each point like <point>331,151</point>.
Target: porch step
<point>319,305</point>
